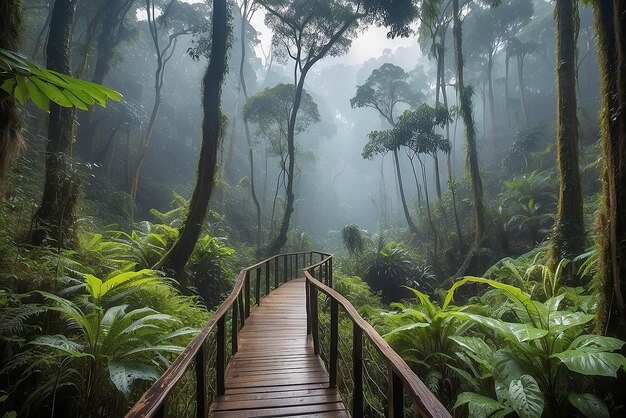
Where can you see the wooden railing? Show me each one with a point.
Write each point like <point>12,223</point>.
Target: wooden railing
<point>400,377</point>
<point>203,362</point>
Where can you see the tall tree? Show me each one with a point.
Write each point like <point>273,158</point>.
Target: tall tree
<point>212,127</point>
<point>465,107</point>
<point>182,19</point>
<point>269,112</point>
<point>386,89</point>
<point>610,16</point>
<point>11,141</point>
<point>569,232</point>
<point>488,28</point>
<point>54,219</point>
<point>308,30</point>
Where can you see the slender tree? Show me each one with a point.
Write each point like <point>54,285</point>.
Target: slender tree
<point>610,16</point>
<point>569,232</point>
<point>55,217</point>
<point>385,90</point>
<point>11,141</point>
<point>465,100</point>
<point>212,127</point>
<point>188,22</point>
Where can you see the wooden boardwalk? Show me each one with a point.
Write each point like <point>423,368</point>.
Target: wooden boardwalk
<point>275,372</point>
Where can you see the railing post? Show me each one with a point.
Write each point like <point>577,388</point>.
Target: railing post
<point>334,336</point>
<point>395,395</point>
<point>330,272</point>
<point>220,356</point>
<point>202,399</point>
<point>257,290</point>
<point>162,411</point>
<point>247,297</point>
<point>285,269</point>
<point>319,274</point>
<point>242,311</point>
<point>308,306</point>
<point>234,327</point>
<point>357,370</point>
<point>310,258</point>
<point>267,278</point>
<point>314,320</point>
<point>276,273</point>
<point>297,257</point>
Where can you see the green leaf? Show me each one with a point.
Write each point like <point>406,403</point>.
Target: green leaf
<point>481,406</point>
<point>591,362</point>
<point>525,397</point>
<point>407,328</point>
<point>599,342</point>
<point>590,405</point>
<point>476,348</point>
<point>52,92</point>
<point>21,92</point>
<point>123,374</point>
<point>61,343</point>
<point>75,100</point>
<point>37,96</point>
<point>9,85</point>
<point>562,320</point>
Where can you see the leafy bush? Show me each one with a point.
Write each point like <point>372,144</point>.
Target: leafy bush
<point>352,239</point>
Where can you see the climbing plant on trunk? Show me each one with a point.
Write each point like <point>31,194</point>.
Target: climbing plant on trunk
<point>569,232</point>
<point>54,220</point>
<point>212,128</point>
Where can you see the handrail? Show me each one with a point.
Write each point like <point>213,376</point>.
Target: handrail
<point>400,374</point>
<point>153,402</point>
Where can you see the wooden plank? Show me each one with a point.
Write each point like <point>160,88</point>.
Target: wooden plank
<point>275,402</point>
<point>280,411</point>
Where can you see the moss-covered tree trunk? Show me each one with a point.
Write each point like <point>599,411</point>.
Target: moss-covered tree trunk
<point>211,134</point>
<point>11,141</point>
<point>54,221</point>
<point>610,18</point>
<point>569,230</point>
<point>465,100</point>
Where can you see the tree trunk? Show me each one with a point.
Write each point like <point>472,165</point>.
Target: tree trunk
<point>11,140</point>
<point>211,132</point>
<point>610,18</point>
<point>55,217</point>
<point>522,86</point>
<point>492,105</point>
<point>281,238</point>
<point>569,232</point>
<point>405,207</point>
<point>42,31</point>
<point>451,185</point>
<point>465,100</point>
<point>506,89</point>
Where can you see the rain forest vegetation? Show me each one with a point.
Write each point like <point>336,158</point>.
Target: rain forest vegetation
<point>474,203</point>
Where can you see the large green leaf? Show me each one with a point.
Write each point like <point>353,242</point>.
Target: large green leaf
<point>591,362</point>
<point>61,343</point>
<point>123,374</point>
<point>408,327</point>
<point>477,349</point>
<point>513,293</point>
<point>481,406</point>
<point>590,405</point>
<point>525,397</point>
<point>562,320</point>
<point>513,331</point>
<point>599,342</point>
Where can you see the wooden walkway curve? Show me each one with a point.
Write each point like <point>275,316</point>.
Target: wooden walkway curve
<point>278,376</point>
<point>259,355</point>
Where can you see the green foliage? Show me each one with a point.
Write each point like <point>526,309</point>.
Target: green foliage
<point>394,266</point>
<point>538,358</point>
<point>352,239</point>
<point>26,80</point>
<point>356,291</point>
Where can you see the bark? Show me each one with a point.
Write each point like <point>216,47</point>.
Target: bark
<point>610,16</point>
<point>11,140</point>
<point>55,217</point>
<point>43,30</point>
<point>522,86</point>
<point>465,100</point>
<point>492,106</point>
<point>569,232</point>
<point>405,207</point>
<point>212,128</point>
